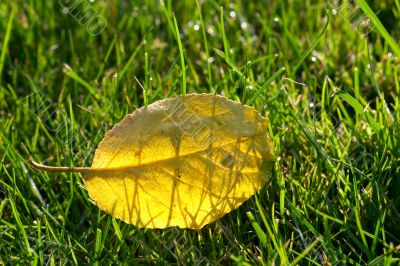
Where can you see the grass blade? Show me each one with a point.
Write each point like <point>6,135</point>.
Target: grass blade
<point>5,43</point>
<point>257,228</point>
<point>178,40</point>
<point>361,111</point>
<point>280,249</point>
<point>203,31</point>
<point>305,252</point>
<point>315,43</point>
<point>266,85</point>
<point>379,26</point>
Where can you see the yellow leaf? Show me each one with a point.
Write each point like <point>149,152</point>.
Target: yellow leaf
<point>184,161</point>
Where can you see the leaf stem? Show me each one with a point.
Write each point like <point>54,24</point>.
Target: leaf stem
<point>63,169</point>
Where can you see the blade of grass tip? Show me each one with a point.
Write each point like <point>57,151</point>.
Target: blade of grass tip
<point>257,228</point>
<point>145,101</point>
<point>315,43</point>
<point>379,26</point>
<point>203,30</point>
<point>178,39</point>
<point>266,85</point>
<point>97,246</point>
<point>117,230</point>
<point>5,43</point>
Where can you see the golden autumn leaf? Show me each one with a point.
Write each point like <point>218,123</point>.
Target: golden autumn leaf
<point>184,161</point>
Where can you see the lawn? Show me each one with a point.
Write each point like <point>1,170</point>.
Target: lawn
<point>325,73</point>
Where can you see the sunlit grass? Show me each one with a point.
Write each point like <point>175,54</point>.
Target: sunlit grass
<point>331,95</point>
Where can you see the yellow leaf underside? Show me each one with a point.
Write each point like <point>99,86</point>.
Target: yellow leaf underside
<point>184,161</point>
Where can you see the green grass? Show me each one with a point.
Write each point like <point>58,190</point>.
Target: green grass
<point>331,95</point>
